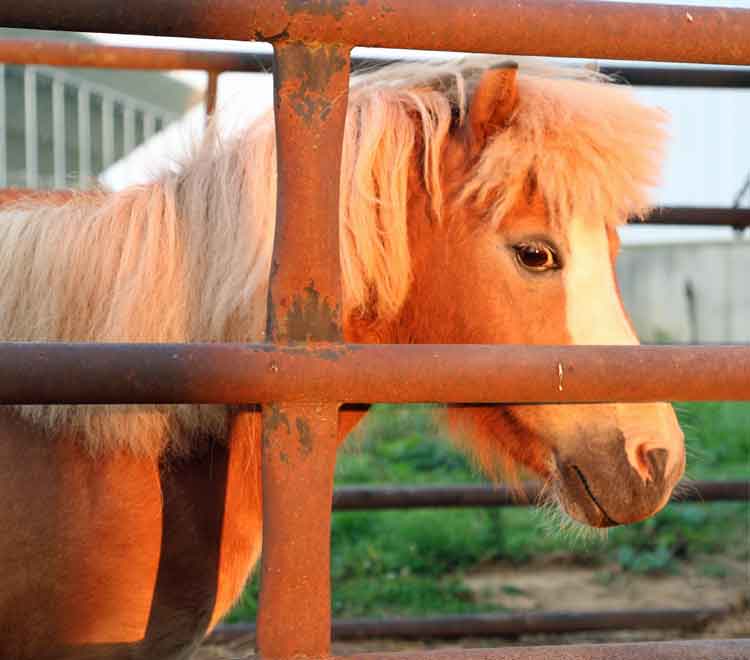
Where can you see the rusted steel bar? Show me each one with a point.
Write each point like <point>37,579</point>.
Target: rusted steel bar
<point>59,53</point>
<point>738,218</point>
<point>104,56</point>
<point>311,84</point>
<point>651,76</point>
<point>527,623</point>
<point>299,457</point>
<point>212,93</point>
<point>713,491</point>
<point>11,195</point>
<point>32,373</point>
<point>362,498</point>
<point>733,217</point>
<point>703,649</point>
<point>586,28</point>
<point>502,625</point>
<point>358,498</point>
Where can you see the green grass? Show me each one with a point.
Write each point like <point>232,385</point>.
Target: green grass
<point>411,562</point>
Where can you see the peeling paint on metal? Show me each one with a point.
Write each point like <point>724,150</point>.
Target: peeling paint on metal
<point>304,436</point>
<point>307,77</point>
<point>311,317</point>
<point>333,8</point>
<point>330,354</point>
<point>273,419</point>
<point>277,36</point>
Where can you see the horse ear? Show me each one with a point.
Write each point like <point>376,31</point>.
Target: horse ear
<point>494,101</point>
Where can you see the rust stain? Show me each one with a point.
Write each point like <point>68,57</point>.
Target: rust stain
<point>333,8</point>
<point>305,438</point>
<point>309,105</point>
<point>281,35</point>
<point>330,354</point>
<point>311,317</point>
<point>308,77</point>
<point>273,419</point>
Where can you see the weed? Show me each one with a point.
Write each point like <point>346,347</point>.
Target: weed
<point>411,562</point>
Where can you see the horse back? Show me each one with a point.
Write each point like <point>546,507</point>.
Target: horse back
<point>117,556</point>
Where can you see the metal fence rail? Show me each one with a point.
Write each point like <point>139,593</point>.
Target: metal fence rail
<point>100,56</point>
<point>56,53</point>
<point>510,625</point>
<point>215,62</point>
<point>683,215</point>
<point>311,42</point>
<point>31,373</point>
<point>358,498</point>
<point>506,625</point>
<point>612,30</point>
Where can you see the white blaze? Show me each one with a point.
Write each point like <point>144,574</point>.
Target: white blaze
<point>595,316</point>
<point>593,309</point>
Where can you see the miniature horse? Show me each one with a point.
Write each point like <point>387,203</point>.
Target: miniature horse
<point>478,205</point>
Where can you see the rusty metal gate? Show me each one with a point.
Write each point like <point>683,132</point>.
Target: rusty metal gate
<point>306,372</point>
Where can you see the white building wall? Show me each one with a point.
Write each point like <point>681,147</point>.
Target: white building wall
<point>690,292</point>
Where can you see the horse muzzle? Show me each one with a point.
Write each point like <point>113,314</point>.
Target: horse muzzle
<point>598,485</point>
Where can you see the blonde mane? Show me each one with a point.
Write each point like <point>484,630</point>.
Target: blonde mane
<point>187,257</point>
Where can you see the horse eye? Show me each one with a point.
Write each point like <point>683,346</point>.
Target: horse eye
<point>537,257</point>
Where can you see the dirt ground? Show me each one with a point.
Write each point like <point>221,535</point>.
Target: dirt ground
<point>557,584</point>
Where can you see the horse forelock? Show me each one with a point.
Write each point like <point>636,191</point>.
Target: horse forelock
<point>188,257</point>
<point>592,150</point>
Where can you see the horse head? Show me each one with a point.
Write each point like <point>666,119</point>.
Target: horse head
<point>513,189</point>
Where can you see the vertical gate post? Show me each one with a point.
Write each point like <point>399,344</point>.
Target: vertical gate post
<point>311,83</point>
<point>212,93</point>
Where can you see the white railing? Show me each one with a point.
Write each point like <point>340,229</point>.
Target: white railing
<point>30,131</point>
<point>110,101</point>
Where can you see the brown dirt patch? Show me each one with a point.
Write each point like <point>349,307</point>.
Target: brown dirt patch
<point>562,584</point>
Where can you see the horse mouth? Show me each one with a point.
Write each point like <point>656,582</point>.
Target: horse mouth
<point>609,521</point>
<point>579,500</point>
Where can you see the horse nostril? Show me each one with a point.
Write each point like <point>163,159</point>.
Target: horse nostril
<point>643,464</point>
<point>651,462</point>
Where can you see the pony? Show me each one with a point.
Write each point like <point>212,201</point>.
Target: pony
<point>479,204</point>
